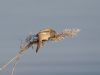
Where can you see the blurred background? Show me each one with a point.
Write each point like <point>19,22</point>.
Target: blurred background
<point>77,56</point>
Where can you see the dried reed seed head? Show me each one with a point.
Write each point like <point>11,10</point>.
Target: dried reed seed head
<point>74,30</point>
<point>70,32</point>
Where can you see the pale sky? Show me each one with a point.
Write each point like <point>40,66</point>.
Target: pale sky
<point>77,56</point>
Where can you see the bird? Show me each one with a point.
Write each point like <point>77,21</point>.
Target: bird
<point>43,36</point>
<point>39,39</point>
<point>46,34</point>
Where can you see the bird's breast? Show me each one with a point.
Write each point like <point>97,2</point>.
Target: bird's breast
<point>44,36</point>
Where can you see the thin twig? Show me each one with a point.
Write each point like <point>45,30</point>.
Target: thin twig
<point>5,65</point>
<point>18,55</point>
<point>14,66</point>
